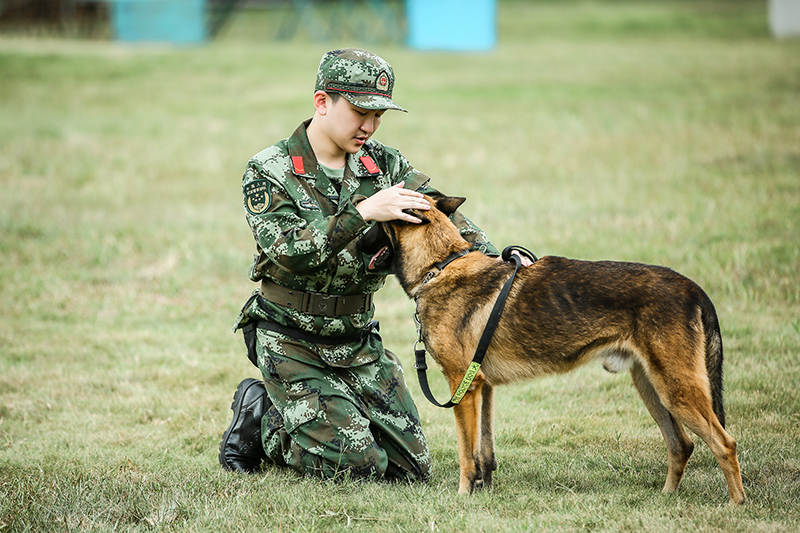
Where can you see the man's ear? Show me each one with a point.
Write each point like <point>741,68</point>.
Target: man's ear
<point>449,204</point>
<point>321,102</point>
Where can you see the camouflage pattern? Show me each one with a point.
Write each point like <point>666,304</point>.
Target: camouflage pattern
<point>339,407</point>
<point>306,226</point>
<point>363,78</point>
<point>331,419</point>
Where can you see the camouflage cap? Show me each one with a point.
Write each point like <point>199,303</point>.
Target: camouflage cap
<point>361,77</point>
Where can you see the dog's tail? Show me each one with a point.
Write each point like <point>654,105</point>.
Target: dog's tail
<point>713,343</point>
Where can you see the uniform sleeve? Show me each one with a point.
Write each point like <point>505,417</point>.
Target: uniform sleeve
<point>296,239</point>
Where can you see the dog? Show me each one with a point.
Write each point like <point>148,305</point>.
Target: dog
<point>561,313</point>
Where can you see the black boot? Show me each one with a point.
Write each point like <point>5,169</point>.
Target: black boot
<point>241,449</point>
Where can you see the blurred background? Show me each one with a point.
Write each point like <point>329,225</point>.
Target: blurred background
<point>423,24</point>
<point>660,131</point>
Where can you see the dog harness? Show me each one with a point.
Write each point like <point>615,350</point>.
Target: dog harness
<point>486,337</point>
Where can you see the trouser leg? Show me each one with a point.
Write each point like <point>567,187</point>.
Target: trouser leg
<point>329,420</point>
<point>395,419</point>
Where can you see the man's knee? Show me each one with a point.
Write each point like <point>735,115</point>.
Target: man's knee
<point>327,443</point>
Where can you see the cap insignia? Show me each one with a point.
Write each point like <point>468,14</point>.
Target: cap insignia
<point>382,82</point>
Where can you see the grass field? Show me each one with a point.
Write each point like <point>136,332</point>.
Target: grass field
<point>662,132</point>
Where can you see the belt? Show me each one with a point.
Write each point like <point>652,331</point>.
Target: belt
<point>316,303</point>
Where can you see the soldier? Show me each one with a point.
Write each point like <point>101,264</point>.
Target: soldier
<point>333,400</point>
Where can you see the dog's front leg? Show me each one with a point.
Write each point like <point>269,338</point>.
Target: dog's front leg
<point>468,420</point>
<point>488,463</point>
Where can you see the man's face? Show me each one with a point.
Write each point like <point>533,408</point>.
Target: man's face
<point>349,126</point>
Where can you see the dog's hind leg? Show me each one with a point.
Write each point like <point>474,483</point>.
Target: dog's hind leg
<point>689,402</point>
<point>468,419</point>
<point>487,461</point>
<point>679,445</point>
<point>698,415</point>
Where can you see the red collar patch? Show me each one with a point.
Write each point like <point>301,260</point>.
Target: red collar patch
<point>297,163</point>
<point>370,165</point>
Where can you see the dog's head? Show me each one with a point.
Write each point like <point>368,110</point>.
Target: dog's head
<point>383,241</point>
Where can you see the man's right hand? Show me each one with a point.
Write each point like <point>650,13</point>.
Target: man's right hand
<point>390,204</point>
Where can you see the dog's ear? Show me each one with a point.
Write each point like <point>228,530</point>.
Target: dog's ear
<point>419,214</point>
<point>449,204</point>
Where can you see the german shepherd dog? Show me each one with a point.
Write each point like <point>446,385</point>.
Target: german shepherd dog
<point>560,314</point>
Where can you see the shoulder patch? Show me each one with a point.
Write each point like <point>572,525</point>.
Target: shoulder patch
<point>256,196</point>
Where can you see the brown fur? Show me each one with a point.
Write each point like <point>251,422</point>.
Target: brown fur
<point>562,313</point>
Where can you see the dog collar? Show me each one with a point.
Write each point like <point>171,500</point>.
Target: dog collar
<point>441,266</point>
<point>450,258</point>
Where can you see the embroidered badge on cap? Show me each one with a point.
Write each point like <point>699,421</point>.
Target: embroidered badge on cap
<point>382,82</point>
<point>256,196</point>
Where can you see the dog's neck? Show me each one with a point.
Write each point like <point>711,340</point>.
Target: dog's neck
<point>441,265</point>
<point>434,270</point>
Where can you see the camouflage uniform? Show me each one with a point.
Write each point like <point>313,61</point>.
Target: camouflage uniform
<point>338,407</point>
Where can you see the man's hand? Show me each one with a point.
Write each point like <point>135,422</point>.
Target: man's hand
<point>526,262</point>
<point>390,203</point>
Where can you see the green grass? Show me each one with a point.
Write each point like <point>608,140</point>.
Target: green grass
<point>662,132</point>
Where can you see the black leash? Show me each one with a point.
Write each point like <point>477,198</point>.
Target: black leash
<point>486,338</point>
